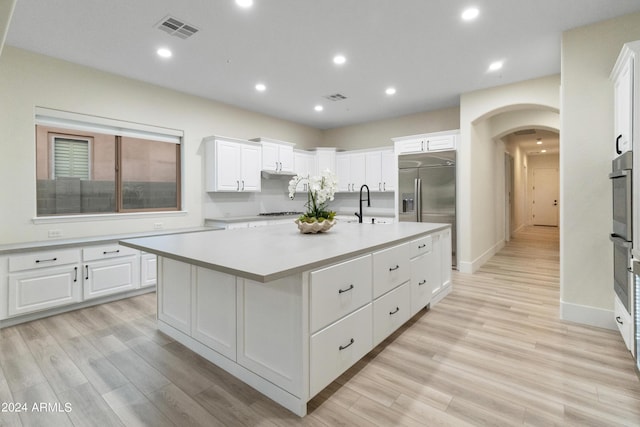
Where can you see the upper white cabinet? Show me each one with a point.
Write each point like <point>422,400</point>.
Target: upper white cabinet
<point>232,164</point>
<point>325,159</point>
<point>350,170</point>
<point>381,169</point>
<point>277,156</point>
<point>438,141</point>
<point>626,98</point>
<point>303,165</point>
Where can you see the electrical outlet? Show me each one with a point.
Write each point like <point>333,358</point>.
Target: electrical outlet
<point>55,233</point>
<point>158,226</point>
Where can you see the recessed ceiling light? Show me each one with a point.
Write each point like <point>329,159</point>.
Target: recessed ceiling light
<point>495,66</point>
<point>544,151</point>
<point>339,59</point>
<point>470,14</point>
<point>260,87</point>
<point>390,91</point>
<point>539,141</point>
<point>245,4</point>
<point>164,52</point>
<point>318,108</point>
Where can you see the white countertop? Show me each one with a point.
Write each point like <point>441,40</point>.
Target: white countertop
<point>268,253</point>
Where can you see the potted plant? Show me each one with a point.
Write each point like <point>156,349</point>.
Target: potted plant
<point>320,191</point>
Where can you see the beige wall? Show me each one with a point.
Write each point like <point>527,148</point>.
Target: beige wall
<point>28,80</point>
<point>586,150</point>
<point>379,133</point>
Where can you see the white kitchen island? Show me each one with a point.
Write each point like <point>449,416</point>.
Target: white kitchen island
<point>286,312</point>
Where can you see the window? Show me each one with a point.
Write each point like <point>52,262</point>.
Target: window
<point>95,165</point>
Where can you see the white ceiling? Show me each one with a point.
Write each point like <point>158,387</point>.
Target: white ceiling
<point>419,46</point>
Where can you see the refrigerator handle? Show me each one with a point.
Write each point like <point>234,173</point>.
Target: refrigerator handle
<point>418,199</point>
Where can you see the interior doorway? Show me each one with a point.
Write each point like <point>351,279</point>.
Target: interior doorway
<point>546,193</point>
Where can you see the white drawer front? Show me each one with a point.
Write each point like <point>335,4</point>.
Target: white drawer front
<point>46,259</point>
<point>421,246</point>
<point>39,290</point>
<point>424,273</point>
<point>390,312</point>
<point>338,290</point>
<point>106,251</point>
<point>336,348</point>
<point>623,320</point>
<point>390,268</point>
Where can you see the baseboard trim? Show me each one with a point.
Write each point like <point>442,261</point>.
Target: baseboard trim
<point>586,315</point>
<point>472,267</point>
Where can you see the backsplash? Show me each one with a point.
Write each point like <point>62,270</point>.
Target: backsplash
<point>274,197</point>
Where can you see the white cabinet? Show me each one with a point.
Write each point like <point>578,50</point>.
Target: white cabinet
<point>277,156</point>
<point>625,100</point>
<point>390,268</point>
<point>438,141</point>
<point>174,294</point>
<point>390,312</point>
<point>109,269</point>
<point>623,321</point>
<point>42,280</point>
<point>380,170</point>
<point>303,165</point>
<point>426,272</point>
<point>325,158</point>
<point>232,164</point>
<point>148,269</point>
<point>350,171</point>
<point>442,258</point>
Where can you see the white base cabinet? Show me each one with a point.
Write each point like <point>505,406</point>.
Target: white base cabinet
<point>110,269</point>
<point>623,321</point>
<point>148,270</point>
<point>42,289</point>
<point>291,337</point>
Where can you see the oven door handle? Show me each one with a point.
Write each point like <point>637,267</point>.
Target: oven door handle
<point>617,240</point>
<point>620,174</point>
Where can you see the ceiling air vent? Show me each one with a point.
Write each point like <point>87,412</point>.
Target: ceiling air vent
<point>176,27</point>
<point>525,132</point>
<point>336,97</point>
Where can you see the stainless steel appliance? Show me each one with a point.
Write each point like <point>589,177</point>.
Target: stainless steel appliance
<point>427,190</point>
<point>621,235</point>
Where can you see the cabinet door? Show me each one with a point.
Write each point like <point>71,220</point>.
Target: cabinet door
<point>214,313</point>
<point>148,270</point>
<point>442,142</point>
<point>445,261</point>
<point>227,166</point>
<point>285,155</point>
<point>437,260</point>
<point>43,288</point>
<point>302,166</point>
<point>324,159</point>
<point>390,268</point>
<point>250,167</point>
<point>373,168</point>
<point>390,312</point>
<point>425,275</point>
<point>111,276</point>
<point>174,294</point>
<point>269,156</point>
<point>389,170</point>
<point>411,146</point>
<point>357,170</point>
<point>342,172</point>
<point>623,107</point>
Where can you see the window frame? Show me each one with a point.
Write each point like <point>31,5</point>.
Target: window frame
<point>52,151</point>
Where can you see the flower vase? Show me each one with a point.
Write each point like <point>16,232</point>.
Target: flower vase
<point>315,227</point>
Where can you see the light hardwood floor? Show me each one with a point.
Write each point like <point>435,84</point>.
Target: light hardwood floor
<point>492,353</point>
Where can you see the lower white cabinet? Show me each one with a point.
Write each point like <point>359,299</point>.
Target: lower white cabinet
<point>390,268</point>
<point>110,269</point>
<point>44,288</point>
<point>391,311</point>
<point>336,348</point>
<point>174,294</point>
<point>148,269</point>
<point>623,320</point>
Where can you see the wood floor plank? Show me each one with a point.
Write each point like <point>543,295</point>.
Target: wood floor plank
<point>134,409</point>
<point>88,408</point>
<point>8,418</point>
<point>44,408</point>
<point>181,409</point>
<point>145,377</point>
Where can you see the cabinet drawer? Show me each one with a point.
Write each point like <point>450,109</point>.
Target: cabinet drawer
<point>623,320</point>
<point>42,289</point>
<point>338,290</point>
<point>46,259</point>
<point>106,251</point>
<point>424,274</point>
<point>390,312</point>
<point>421,246</point>
<point>390,268</point>
<point>336,348</point>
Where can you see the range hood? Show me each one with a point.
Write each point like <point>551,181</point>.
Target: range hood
<point>269,174</point>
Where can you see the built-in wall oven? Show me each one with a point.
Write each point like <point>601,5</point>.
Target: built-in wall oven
<point>622,232</point>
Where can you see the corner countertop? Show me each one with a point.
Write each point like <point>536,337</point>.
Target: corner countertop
<point>268,253</point>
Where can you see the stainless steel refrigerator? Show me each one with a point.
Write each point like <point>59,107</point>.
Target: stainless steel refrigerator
<point>427,190</point>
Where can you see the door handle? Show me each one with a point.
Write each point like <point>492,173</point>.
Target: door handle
<point>618,150</point>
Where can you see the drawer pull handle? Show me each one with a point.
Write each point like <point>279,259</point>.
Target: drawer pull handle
<point>117,251</point>
<point>342,347</point>
<point>75,277</point>
<point>341,291</point>
<point>424,245</point>
<point>391,313</point>
<point>38,261</point>
<point>619,320</point>
<point>394,268</point>
<point>86,268</point>
<point>423,282</point>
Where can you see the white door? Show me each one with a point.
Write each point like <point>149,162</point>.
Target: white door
<point>546,192</point>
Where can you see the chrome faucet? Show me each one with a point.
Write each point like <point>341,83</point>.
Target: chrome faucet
<point>359,215</point>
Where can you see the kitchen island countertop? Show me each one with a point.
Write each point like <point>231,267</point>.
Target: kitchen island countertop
<point>269,253</point>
